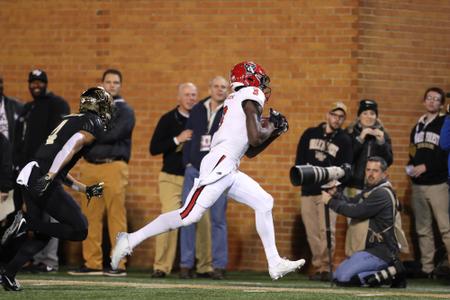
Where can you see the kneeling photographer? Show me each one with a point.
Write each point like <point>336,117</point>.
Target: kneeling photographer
<point>376,208</point>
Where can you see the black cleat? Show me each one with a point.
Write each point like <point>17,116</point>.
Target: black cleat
<point>16,229</point>
<point>10,284</point>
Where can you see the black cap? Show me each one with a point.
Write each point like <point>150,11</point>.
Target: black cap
<point>37,75</point>
<point>368,104</point>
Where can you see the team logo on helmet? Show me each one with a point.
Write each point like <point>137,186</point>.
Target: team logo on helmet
<point>250,68</point>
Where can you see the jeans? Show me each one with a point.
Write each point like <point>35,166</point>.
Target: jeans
<point>218,230</point>
<point>362,264</point>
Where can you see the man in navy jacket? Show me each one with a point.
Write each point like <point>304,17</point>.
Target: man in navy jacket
<point>204,122</point>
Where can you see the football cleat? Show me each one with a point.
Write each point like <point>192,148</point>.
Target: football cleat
<point>10,283</point>
<point>16,229</point>
<point>121,249</point>
<point>285,266</point>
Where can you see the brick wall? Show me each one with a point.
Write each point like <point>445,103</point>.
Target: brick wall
<point>316,52</point>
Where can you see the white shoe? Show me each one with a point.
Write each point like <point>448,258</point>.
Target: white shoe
<point>285,266</point>
<point>121,249</point>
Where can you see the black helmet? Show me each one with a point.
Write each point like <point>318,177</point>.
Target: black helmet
<point>98,101</point>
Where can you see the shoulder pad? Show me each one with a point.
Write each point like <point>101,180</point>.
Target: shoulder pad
<point>252,93</point>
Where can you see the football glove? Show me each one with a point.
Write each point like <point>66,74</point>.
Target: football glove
<point>279,122</point>
<point>95,190</point>
<point>40,186</point>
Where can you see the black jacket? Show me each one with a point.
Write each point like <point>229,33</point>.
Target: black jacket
<point>115,144</point>
<point>13,109</point>
<point>36,122</point>
<point>362,151</point>
<point>6,171</point>
<point>425,149</point>
<point>169,126</point>
<point>375,204</point>
<point>324,150</point>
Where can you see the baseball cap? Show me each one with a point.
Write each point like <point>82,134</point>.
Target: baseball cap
<point>338,105</point>
<point>367,104</point>
<point>37,74</point>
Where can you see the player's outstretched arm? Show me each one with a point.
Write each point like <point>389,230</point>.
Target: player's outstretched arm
<point>259,137</point>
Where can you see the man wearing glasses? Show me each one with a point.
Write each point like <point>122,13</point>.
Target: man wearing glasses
<point>427,169</point>
<point>325,145</point>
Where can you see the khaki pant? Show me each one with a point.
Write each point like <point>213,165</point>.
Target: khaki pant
<point>115,177</point>
<point>313,215</point>
<point>430,201</point>
<point>170,187</point>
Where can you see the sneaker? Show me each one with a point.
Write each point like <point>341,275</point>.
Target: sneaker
<point>285,266</point>
<point>121,249</point>
<point>83,270</point>
<point>115,273</point>
<point>10,283</point>
<point>42,268</point>
<point>16,229</point>
<point>158,274</point>
<point>218,274</point>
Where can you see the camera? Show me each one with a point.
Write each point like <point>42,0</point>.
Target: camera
<point>308,174</point>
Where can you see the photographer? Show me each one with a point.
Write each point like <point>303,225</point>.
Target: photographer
<point>325,145</point>
<point>376,207</point>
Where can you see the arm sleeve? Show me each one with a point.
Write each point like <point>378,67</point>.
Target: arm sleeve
<point>385,150</point>
<point>345,154</point>
<point>302,148</point>
<point>444,141</point>
<point>6,172</point>
<point>161,142</point>
<point>365,209</point>
<point>122,127</point>
<point>65,152</point>
<point>187,144</point>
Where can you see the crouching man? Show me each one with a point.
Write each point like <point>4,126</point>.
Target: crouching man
<point>375,211</point>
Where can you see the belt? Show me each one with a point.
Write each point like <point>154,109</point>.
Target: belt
<point>104,160</point>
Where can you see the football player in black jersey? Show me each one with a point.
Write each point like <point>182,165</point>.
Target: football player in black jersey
<point>41,183</point>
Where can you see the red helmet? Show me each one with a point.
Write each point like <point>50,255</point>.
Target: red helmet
<point>248,73</point>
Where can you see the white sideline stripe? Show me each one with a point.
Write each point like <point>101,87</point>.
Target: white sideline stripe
<point>229,287</point>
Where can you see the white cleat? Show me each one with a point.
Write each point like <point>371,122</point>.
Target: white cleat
<point>285,266</point>
<point>121,249</point>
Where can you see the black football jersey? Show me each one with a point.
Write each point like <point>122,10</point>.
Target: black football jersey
<point>69,125</point>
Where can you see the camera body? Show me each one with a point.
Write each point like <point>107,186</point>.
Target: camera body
<point>314,175</point>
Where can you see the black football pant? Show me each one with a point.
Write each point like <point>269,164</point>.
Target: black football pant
<point>59,204</point>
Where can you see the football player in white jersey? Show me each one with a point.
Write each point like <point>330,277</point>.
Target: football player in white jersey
<point>242,132</point>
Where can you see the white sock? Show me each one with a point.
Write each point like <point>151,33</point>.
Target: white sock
<point>266,232</point>
<point>163,223</point>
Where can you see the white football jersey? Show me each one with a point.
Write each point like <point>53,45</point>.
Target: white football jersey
<point>231,138</point>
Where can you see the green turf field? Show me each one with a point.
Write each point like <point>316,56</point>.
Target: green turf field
<point>238,285</point>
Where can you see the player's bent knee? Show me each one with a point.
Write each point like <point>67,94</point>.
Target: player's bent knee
<point>266,204</point>
<point>194,216</point>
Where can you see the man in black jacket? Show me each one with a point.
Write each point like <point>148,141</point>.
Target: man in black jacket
<point>107,161</point>
<point>10,110</point>
<point>427,168</point>
<point>37,120</point>
<point>324,145</point>
<point>377,206</point>
<point>168,139</point>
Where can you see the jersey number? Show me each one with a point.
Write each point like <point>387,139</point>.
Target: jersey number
<point>52,137</point>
